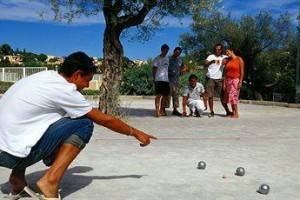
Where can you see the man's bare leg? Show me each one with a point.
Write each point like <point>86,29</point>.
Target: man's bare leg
<point>157,105</point>
<point>49,183</point>
<point>163,104</point>
<point>211,104</point>
<point>17,180</point>
<point>228,112</point>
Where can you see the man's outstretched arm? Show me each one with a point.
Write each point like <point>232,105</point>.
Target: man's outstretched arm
<point>119,126</point>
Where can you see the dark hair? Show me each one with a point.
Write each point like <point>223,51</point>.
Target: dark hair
<point>164,46</point>
<point>77,61</point>
<point>235,51</point>
<point>193,76</point>
<point>218,44</point>
<point>177,48</point>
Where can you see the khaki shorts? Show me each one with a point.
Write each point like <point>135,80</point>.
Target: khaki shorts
<point>214,87</point>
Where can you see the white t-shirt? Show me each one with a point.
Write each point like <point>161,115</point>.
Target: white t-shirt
<point>162,65</point>
<point>215,70</point>
<point>194,93</point>
<point>31,105</point>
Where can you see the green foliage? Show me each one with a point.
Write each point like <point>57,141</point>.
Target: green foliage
<point>33,63</point>
<point>42,57</point>
<point>5,49</point>
<point>53,59</point>
<point>90,92</point>
<point>4,86</point>
<point>247,93</point>
<point>5,62</point>
<point>138,81</point>
<point>286,86</point>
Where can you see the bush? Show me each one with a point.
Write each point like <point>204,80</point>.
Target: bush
<point>4,86</point>
<point>286,86</point>
<point>90,92</point>
<point>138,81</point>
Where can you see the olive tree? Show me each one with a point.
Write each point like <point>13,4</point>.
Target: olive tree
<point>121,15</point>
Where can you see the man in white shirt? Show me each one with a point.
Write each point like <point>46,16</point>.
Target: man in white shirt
<point>214,64</point>
<point>161,80</point>
<point>45,117</point>
<point>192,97</point>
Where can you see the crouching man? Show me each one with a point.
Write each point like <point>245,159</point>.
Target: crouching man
<point>45,117</point>
<point>192,97</point>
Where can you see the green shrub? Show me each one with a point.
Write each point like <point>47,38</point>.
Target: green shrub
<point>4,86</point>
<point>90,92</point>
<point>138,81</point>
<point>247,93</point>
<point>286,86</point>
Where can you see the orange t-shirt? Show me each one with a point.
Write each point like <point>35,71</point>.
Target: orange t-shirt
<point>232,69</point>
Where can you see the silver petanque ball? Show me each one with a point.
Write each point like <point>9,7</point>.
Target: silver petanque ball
<point>201,165</point>
<point>264,189</point>
<point>240,171</point>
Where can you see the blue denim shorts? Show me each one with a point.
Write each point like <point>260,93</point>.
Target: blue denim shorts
<point>50,142</point>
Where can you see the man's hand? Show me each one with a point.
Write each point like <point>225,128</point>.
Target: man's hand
<point>143,138</point>
<point>184,113</point>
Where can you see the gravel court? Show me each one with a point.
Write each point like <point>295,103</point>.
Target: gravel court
<point>264,140</point>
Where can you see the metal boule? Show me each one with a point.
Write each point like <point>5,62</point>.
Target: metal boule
<point>240,171</point>
<point>201,165</point>
<point>264,189</point>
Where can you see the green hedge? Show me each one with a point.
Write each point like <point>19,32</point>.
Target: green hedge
<point>4,86</point>
<point>137,81</point>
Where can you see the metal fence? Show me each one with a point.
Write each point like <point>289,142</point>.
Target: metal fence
<point>13,74</point>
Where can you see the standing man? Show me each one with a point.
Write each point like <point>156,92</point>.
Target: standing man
<point>214,64</point>
<point>176,68</point>
<point>161,80</point>
<point>192,97</point>
<point>45,117</point>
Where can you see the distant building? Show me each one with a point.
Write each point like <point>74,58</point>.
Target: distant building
<point>140,62</point>
<point>14,59</point>
<point>54,60</point>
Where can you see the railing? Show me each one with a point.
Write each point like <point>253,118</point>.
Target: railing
<point>13,74</point>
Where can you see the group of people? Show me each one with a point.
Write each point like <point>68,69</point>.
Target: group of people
<point>224,77</point>
<point>45,117</point>
<point>166,71</point>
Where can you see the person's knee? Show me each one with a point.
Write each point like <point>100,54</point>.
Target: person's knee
<point>85,130</point>
<point>76,140</point>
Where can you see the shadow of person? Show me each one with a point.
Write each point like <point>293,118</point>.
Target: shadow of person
<point>72,181</point>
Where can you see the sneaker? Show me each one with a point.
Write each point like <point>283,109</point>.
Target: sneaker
<point>176,113</point>
<point>212,114</point>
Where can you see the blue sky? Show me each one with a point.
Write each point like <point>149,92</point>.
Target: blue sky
<point>21,27</point>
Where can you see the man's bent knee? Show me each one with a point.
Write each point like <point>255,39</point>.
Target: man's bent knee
<point>85,129</point>
<point>76,141</point>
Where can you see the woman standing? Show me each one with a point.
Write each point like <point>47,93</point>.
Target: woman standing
<point>233,79</point>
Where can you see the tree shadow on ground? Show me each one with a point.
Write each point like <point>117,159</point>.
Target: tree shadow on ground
<point>139,112</point>
<point>72,181</point>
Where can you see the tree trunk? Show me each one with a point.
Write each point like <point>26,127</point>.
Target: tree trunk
<point>113,72</point>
